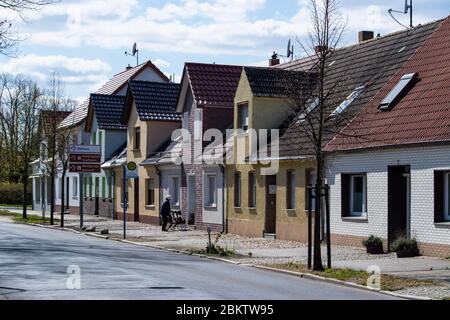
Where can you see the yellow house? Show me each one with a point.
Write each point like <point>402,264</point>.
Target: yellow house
<point>265,198</point>
<point>150,117</point>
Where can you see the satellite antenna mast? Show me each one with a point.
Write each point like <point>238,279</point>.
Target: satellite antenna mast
<point>290,50</point>
<point>407,7</point>
<point>134,53</point>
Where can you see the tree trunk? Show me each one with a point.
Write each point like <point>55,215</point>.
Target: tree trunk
<point>24,201</point>
<point>52,198</point>
<point>62,197</point>
<point>317,261</point>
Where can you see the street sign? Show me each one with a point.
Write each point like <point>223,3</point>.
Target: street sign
<point>84,158</point>
<point>131,171</point>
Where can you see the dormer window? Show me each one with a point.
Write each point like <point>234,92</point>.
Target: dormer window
<point>401,88</point>
<point>344,105</point>
<point>243,116</point>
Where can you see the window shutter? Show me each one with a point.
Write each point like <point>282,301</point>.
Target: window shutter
<point>345,195</point>
<point>438,196</point>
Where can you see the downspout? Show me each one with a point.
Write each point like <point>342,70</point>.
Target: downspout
<point>222,170</point>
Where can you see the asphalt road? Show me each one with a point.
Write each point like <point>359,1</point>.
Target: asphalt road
<point>34,263</point>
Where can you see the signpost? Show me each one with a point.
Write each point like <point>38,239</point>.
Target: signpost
<point>129,172</point>
<point>84,159</point>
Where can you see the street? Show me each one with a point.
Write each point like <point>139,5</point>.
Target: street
<point>34,265</point>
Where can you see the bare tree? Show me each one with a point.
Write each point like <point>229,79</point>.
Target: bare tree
<point>56,108</point>
<point>8,37</point>
<point>311,110</point>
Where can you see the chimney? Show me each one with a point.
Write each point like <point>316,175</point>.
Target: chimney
<point>274,60</point>
<point>128,67</point>
<point>364,36</point>
<point>319,49</point>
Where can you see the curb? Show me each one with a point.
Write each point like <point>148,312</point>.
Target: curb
<point>292,273</point>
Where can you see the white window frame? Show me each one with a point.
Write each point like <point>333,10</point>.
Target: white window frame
<point>207,190</point>
<point>173,192</point>
<point>75,187</point>
<point>364,198</point>
<point>446,197</point>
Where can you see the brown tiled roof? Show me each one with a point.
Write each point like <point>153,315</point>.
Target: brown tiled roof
<point>49,118</point>
<point>213,84</point>
<point>114,85</point>
<point>371,63</point>
<point>421,116</point>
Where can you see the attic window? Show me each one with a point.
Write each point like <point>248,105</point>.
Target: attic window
<point>312,105</point>
<point>401,49</point>
<point>331,63</point>
<point>352,96</point>
<point>404,85</point>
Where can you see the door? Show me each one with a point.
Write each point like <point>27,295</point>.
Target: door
<point>398,202</point>
<point>136,199</point>
<point>96,195</point>
<point>271,204</point>
<point>191,199</point>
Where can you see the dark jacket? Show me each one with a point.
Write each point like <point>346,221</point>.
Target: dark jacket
<point>165,209</point>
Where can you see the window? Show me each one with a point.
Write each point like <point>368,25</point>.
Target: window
<point>94,138</point>
<point>441,196</point>
<point>103,187</point>
<point>312,105</point>
<point>237,189</point>
<point>197,125</point>
<point>210,190</point>
<point>75,187</point>
<point>348,101</point>
<point>404,85</point>
<point>100,137</point>
<point>243,117</point>
<point>174,189</point>
<point>137,138</point>
<point>251,190</point>
<point>354,195</point>
<point>150,192</point>
<point>75,139</point>
<point>290,189</point>
<point>37,190</point>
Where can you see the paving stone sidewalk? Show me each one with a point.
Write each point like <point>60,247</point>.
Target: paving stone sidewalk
<point>272,251</point>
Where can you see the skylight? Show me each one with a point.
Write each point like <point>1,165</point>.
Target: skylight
<point>312,104</point>
<point>405,83</point>
<point>352,96</point>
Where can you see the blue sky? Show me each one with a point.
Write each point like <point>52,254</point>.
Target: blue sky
<point>84,41</point>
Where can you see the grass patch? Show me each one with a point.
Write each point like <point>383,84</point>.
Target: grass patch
<point>388,282</point>
<point>18,206</point>
<point>17,217</point>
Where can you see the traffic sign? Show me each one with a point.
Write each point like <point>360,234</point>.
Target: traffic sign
<point>131,171</point>
<point>84,167</point>
<point>85,158</point>
<point>84,148</point>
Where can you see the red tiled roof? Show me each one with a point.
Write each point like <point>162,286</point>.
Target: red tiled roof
<point>114,85</point>
<point>421,116</point>
<point>213,84</point>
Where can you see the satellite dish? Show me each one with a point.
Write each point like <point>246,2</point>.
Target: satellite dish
<point>134,49</point>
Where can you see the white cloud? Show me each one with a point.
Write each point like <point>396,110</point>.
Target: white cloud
<point>72,71</point>
<point>160,63</point>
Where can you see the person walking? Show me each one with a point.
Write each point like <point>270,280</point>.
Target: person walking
<point>165,213</point>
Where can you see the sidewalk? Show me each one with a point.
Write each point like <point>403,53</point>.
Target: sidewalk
<point>270,251</point>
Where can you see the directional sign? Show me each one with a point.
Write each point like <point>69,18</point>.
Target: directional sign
<point>84,158</point>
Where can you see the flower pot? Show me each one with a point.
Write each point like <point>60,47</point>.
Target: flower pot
<point>375,249</point>
<point>407,252</point>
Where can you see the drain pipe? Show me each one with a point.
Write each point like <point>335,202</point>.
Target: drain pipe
<point>222,170</point>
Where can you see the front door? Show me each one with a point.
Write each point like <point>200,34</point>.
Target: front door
<point>136,199</point>
<point>191,199</point>
<point>97,195</point>
<point>398,202</point>
<point>271,204</point>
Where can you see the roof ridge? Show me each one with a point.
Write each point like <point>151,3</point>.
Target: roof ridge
<point>213,64</point>
<point>132,68</point>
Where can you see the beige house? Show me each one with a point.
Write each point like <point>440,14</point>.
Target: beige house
<point>262,202</point>
<point>150,119</point>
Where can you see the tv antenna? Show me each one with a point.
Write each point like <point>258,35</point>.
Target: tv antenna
<point>134,53</point>
<point>407,7</point>
<point>290,50</point>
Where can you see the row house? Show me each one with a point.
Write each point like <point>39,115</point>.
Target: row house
<point>389,170</point>
<point>150,117</point>
<point>74,124</point>
<point>275,205</point>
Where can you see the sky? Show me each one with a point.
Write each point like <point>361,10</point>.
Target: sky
<point>84,40</point>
